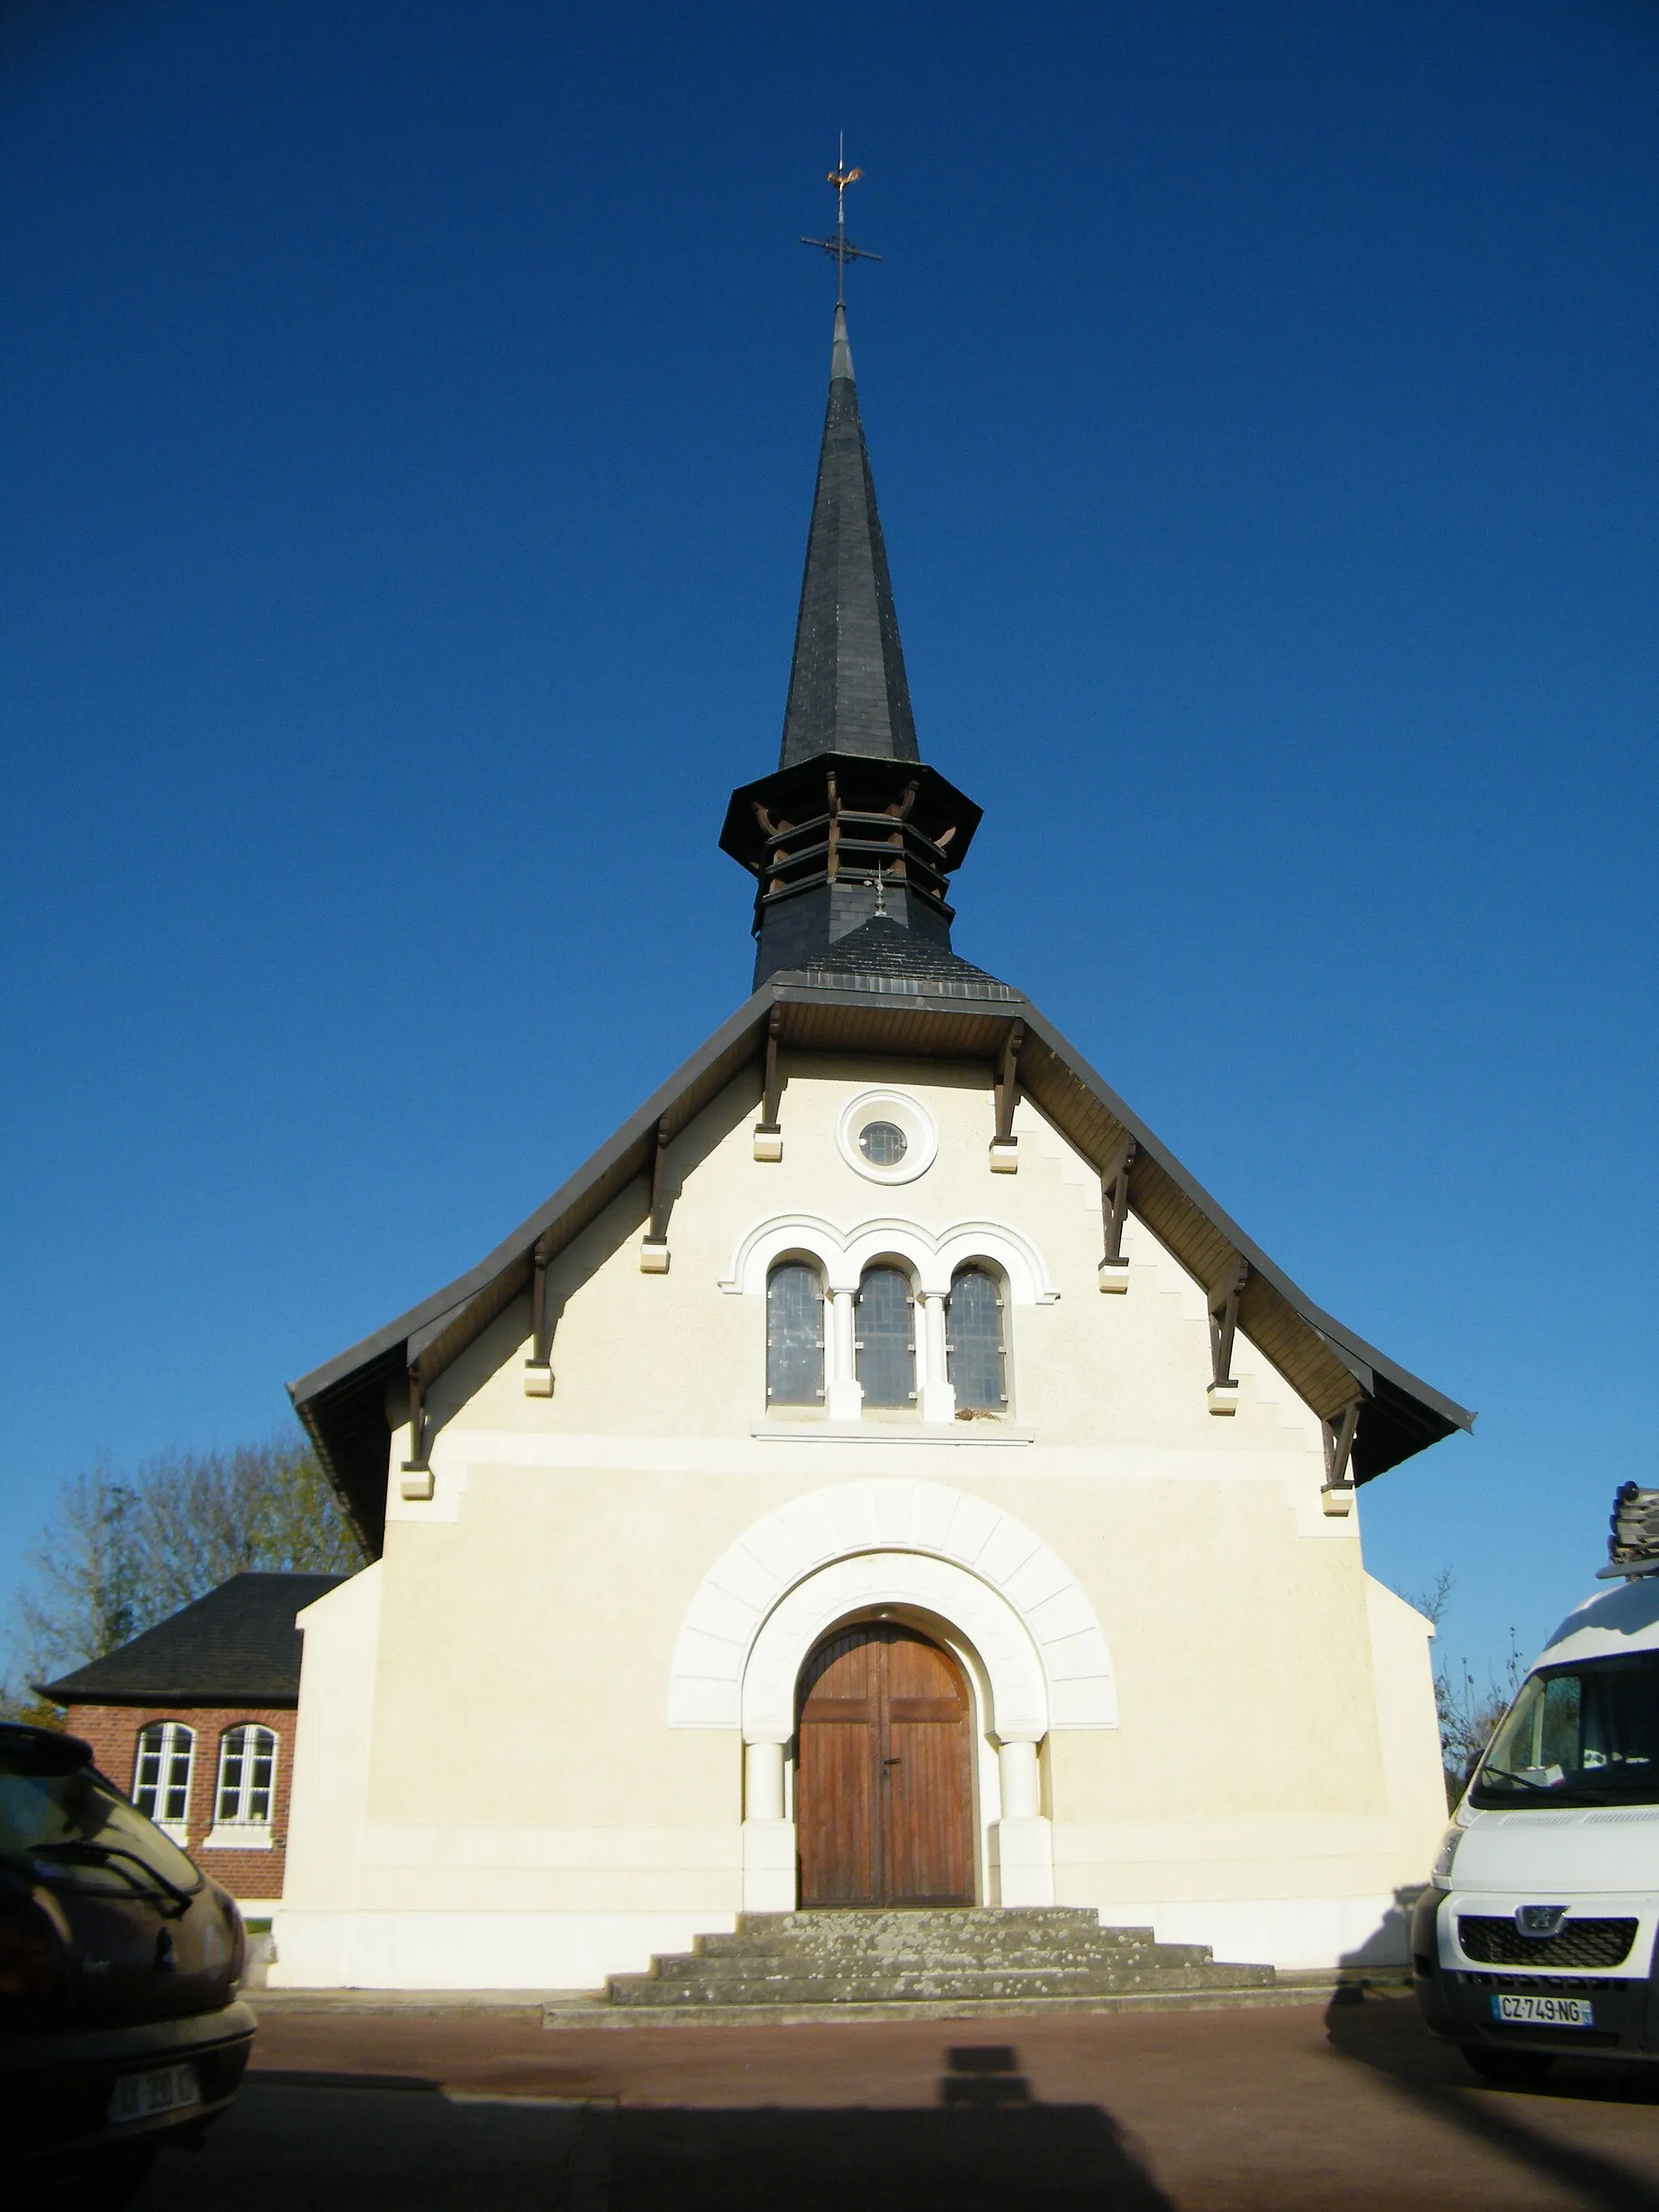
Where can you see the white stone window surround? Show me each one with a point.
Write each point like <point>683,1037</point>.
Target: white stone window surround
<point>171,1745</point>
<point>907,1114</point>
<point>931,1261</point>
<point>243,1831</point>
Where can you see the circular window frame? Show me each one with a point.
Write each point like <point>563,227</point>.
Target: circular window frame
<point>909,1115</point>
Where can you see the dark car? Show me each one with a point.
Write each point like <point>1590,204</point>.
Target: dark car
<point>119,1961</point>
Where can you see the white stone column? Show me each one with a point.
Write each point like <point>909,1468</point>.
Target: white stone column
<point>843,1395</point>
<point>769,1840</point>
<point>934,1395</point>
<point>1022,1842</point>
<point>762,1782</point>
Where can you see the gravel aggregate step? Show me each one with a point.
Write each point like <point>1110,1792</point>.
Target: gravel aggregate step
<point>796,1960</point>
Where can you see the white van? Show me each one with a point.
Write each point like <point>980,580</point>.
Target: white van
<point>1536,1935</point>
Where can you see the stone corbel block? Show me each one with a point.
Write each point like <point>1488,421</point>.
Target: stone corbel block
<point>537,1379</point>
<point>1224,1397</point>
<point>415,1484</point>
<point>768,1143</point>
<point>653,1255</point>
<point>1005,1155</point>
<point>1112,1275</point>
<point>1337,1499</point>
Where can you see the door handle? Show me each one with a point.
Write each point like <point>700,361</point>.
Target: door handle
<point>896,1760</point>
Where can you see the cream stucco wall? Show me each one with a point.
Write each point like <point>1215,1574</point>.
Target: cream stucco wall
<point>487,1788</point>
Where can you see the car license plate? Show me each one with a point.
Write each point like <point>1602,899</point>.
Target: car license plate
<point>141,2096</point>
<point>1545,2012</point>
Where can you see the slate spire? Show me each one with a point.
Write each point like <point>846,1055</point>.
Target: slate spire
<point>848,692</point>
<point>851,839</point>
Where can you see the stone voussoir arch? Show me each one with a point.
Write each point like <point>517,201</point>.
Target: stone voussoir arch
<point>932,1257</point>
<point>924,1521</point>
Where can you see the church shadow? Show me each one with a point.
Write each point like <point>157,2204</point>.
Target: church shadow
<point>1387,2035</point>
<point>986,2143</point>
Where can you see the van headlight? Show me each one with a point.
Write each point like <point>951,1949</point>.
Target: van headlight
<point>1440,1873</point>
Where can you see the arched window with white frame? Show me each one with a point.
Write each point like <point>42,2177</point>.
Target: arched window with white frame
<point>794,1335</point>
<point>247,1777</point>
<point>975,1355</point>
<point>885,1343</point>
<point>161,1779</point>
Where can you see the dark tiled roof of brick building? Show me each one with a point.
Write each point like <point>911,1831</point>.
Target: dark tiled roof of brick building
<point>236,1646</point>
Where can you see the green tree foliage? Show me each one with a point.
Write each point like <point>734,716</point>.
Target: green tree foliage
<point>121,1553</point>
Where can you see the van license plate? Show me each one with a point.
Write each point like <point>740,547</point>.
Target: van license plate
<point>142,2096</point>
<point>1545,2012</point>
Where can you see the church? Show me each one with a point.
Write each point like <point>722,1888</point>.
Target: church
<point>881,1477</point>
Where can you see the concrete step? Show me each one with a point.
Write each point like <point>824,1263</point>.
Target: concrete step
<point>651,1990</point>
<point>1104,1957</point>
<point>953,1954</point>
<point>939,1919</point>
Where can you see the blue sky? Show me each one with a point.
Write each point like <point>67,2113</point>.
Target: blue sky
<point>409,417</point>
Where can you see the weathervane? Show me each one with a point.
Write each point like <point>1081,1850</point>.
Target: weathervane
<point>840,247</point>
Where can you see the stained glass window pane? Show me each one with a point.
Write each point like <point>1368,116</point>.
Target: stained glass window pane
<point>882,1144</point>
<point>794,1336</point>
<point>886,1341</point>
<point>973,1338</point>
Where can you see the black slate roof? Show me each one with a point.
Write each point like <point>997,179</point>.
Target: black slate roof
<point>236,1646</point>
<point>847,689</point>
<point>883,947</point>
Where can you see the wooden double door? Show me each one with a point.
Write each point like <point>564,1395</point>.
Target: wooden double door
<point>883,1776</point>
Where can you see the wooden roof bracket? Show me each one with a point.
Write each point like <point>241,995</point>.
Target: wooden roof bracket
<point>1113,1271</point>
<point>1224,1326</point>
<point>654,1249</point>
<point>768,1131</point>
<point>538,1368</point>
<point>1340,1430</point>
<point>418,1463</point>
<point>1004,1145</point>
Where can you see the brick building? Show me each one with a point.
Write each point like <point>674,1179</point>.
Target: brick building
<point>195,1720</point>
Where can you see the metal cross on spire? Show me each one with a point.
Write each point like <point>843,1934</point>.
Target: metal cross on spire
<point>840,247</point>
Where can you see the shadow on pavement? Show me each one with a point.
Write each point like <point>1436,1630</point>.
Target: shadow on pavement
<point>1388,2036</point>
<point>356,2144</point>
<point>985,2144</point>
<point>398,2143</point>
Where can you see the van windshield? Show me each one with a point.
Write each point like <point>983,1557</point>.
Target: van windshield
<point>1587,1735</point>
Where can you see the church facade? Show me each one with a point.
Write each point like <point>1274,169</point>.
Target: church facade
<point>881,1476</point>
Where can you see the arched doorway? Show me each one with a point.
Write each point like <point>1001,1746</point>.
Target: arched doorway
<point>883,1788</point>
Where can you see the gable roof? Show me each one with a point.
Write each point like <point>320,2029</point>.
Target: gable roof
<point>949,1010</point>
<point>236,1646</point>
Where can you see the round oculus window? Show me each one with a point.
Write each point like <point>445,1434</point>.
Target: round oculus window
<point>883,1144</point>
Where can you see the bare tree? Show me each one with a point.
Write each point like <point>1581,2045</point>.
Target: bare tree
<point>1467,1709</point>
<point>120,1554</point>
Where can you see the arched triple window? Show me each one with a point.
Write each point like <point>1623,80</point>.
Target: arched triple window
<point>973,1341</point>
<point>160,1780</point>
<point>886,1339</point>
<point>247,1776</point>
<point>794,1335</point>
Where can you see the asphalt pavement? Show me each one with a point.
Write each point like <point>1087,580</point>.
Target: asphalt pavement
<point>1343,2103</point>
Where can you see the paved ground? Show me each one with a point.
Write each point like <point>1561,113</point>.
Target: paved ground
<point>1343,2103</point>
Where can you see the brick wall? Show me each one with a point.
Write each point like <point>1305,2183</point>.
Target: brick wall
<point>113,1732</point>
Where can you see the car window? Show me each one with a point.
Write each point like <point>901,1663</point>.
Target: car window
<point>76,1828</point>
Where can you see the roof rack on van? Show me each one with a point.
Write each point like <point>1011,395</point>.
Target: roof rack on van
<point>1634,1533</point>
